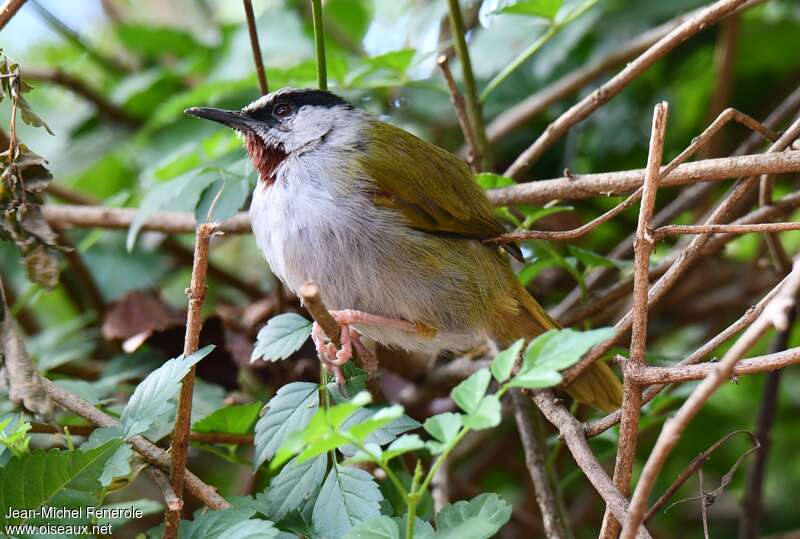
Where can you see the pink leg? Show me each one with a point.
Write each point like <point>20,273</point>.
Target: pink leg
<point>348,317</point>
<point>328,354</point>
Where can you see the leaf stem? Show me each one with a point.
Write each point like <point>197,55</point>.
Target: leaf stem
<point>483,159</point>
<point>555,28</point>
<point>319,44</point>
<point>414,498</point>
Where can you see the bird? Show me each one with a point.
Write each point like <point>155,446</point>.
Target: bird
<point>390,227</point>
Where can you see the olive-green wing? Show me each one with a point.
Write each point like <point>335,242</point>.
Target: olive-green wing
<point>431,187</point>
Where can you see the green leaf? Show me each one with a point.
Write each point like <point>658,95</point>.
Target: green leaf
<point>290,410</point>
<point>289,490</point>
<point>479,518</point>
<point>217,524</point>
<point>560,349</point>
<point>233,419</point>
<point>281,337</point>
<point>349,497</point>
<point>443,427</point>
<point>468,393</point>
<point>55,478</point>
<point>381,527</point>
<point>591,260</point>
<point>252,529</point>
<point>503,362</point>
<point>152,400</point>
<point>489,180</point>
<point>547,9</point>
<point>404,444</point>
<point>397,61</point>
<point>486,415</point>
<point>119,464</point>
<point>13,436</point>
<point>536,378</point>
<point>222,199</point>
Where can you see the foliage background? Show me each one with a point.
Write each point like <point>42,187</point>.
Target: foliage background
<point>181,53</point>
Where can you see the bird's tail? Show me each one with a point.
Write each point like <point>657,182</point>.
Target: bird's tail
<point>597,386</point>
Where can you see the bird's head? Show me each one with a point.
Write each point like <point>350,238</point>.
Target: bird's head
<point>284,122</point>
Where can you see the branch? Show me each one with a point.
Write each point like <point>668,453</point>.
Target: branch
<point>601,425</point>
<point>194,323</point>
<point>671,230</point>
<point>254,44</point>
<point>774,315</point>
<point>690,254</point>
<point>9,9</point>
<point>643,248</point>
<point>203,437</point>
<point>459,105</point>
<point>553,521</point>
<point>582,186</point>
<point>173,502</point>
<point>473,102</point>
<point>572,433</point>
<point>151,453</point>
<point>105,107</point>
<point>611,88</point>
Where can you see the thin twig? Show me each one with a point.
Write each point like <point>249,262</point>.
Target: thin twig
<point>671,230</point>
<point>203,437</point>
<point>694,466</point>
<point>9,9</point>
<point>555,526</point>
<point>690,254</point>
<point>172,501</point>
<point>611,88</point>
<point>724,63</point>
<point>483,155</point>
<point>601,425</point>
<point>319,44</point>
<point>194,323</point>
<point>312,301</point>
<point>643,248</point>
<point>774,315</point>
<point>151,453</point>
<point>750,516</point>
<point>254,44</point>
<point>473,156</point>
<point>572,433</point>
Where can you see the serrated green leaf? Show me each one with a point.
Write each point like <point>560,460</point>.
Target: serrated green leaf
<point>536,378</point>
<point>486,415</point>
<point>290,410</point>
<point>468,394</point>
<point>56,478</point>
<point>217,524</point>
<point>152,400</point>
<point>281,337</point>
<point>560,349</point>
<point>118,464</point>
<point>348,497</point>
<point>253,529</point>
<point>233,419</point>
<point>479,518</point>
<point>289,490</point>
<point>381,527</point>
<point>503,363</point>
<point>443,427</point>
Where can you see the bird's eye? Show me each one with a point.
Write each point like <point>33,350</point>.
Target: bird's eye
<point>282,110</point>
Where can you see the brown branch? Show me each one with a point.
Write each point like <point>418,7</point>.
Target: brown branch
<point>194,323</point>
<point>582,186</point>
<point>685,200</point>
<point>601,425</point>
<point>671,230</point>
<point>773,315</point>
<point>83,273</point>
<point>254,44</point>
<point>572,433</point>
<point>66,216</point>
<point>553,521</point>
<point>105,107</point>
<point>689,471</point>
<point>172,501</point>
<point>151,453</point>
<point>312,301</point>
<point>460,106</point>
<point>8,10</point>
<point>611,88</point>
<point>750,516</point>
<point>724,74</point>
<point>632,391</point>
<point>686,373</point>
<point>203,437</point>
<point>690,254</point>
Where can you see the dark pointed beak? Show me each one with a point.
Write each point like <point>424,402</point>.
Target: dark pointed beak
<point>231,118</point>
